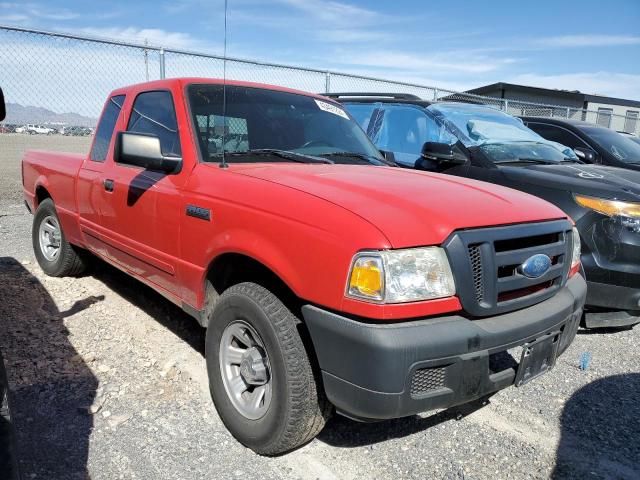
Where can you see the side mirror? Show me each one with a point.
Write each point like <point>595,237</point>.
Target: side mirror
<point>443,152</point>
<point>3,109</point>
<point>144,151</point>
<point>586,154</point>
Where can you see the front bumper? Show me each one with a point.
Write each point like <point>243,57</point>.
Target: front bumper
<point>616,306</point>
<point>370,371</point>
<point>610,261</point>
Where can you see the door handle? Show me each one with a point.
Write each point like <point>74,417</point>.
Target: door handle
<point>108,184</point>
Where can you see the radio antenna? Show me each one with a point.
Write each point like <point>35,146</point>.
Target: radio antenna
<point>223,163</point>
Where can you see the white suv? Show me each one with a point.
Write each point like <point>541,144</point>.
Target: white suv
<point>37,129</point>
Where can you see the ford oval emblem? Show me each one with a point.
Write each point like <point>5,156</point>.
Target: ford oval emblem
<point>535,266</point>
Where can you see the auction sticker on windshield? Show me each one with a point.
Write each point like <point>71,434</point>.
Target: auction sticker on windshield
<point>327,107</point>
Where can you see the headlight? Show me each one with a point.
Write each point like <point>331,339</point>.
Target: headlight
<point>398,276</point>
<point>610,208</point>
<point>575,255</point>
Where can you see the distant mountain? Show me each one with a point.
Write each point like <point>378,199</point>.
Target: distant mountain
<point>20,114</point>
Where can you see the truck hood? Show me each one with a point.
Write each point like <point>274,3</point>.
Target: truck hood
<point>591,180</point>
<point>411,208</point>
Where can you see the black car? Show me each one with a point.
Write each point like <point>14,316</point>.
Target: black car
<point>483,143</point>
<point>630,136</point>
<point>592,143</point>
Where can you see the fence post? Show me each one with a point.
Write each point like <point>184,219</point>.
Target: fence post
<point>162,73</point>
<point>506,106</point>
<point>568,112</point>
<point>435,94</point>
<point>327,82</point>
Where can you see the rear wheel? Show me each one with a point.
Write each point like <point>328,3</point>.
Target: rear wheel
<point>260,375</point>
<point>56,256</point>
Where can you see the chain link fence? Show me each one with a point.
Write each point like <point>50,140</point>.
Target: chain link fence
<point>55,85</point>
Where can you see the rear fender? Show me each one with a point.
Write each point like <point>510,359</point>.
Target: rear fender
<point>69,220</point>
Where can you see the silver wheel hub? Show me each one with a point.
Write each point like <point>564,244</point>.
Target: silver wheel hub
<point>253,368</point>
<point>245,369</point>
<point>50,238</point>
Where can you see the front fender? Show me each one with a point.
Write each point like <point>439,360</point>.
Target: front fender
<point>260,248</point>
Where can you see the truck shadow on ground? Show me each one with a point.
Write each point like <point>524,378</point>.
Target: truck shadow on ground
<point>150,302</point>
<point>345,433</point>
<point>600,431</point>
<point>50,386</point>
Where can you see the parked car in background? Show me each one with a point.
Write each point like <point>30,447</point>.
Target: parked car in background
<point>592,143</point>
<point>484,143</point>
<point>324,276</point>
<point>33,129</point>
<point>77,131</point>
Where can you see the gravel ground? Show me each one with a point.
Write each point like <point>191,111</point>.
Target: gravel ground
<point>108,381</point>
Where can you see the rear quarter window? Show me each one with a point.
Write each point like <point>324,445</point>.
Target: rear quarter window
<point>104,132</point>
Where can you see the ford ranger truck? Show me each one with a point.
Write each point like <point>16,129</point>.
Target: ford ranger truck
<point>326,278</point>
<point>483,143</point>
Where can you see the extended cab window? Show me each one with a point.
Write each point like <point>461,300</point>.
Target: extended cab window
<point>153,113</point>
<point>213,133</point>
<point>105,128</point>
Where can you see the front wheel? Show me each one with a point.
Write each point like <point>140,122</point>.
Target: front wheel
<point>260,374</point>
<point>56,256</point>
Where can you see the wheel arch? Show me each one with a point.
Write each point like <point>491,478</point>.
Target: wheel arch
<point>41,193</point>
<point>233,267</point>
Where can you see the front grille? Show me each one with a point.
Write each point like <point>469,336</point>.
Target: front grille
<point>476,268</point>
<point>491,259</point>
<point>426,379</point>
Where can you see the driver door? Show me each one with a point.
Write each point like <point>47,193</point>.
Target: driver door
<point>144,207</point>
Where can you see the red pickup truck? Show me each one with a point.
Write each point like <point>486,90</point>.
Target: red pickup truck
<point>326,278</point>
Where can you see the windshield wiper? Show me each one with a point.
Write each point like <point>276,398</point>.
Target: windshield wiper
<point>362,156</point>
<point>286,154</point>
<point>528,160</point>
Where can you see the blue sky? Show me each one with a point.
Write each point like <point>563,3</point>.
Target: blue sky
<point>592,46</point>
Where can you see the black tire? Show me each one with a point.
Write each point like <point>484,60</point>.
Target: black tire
<point>298,409</point>
<point>69,261</point>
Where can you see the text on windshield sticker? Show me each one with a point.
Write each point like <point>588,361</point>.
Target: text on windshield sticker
<point>327,107</point>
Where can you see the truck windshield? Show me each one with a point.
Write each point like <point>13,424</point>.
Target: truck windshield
<point>264,125</point>
<point>501,137</point>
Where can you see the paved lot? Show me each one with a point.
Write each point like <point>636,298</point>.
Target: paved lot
<point>108,381</point>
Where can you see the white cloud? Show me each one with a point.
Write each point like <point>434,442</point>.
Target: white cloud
<point>569,41</point>
<point>335,13</point>
<point>329,22</point>
<point>14,18</point>
<point>613,84</point>
<point>154,36</point>
<point>424,63</point>
<point>350,35</point>
<point>37,11</point>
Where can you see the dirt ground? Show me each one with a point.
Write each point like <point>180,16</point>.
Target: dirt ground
<point>107,381</point>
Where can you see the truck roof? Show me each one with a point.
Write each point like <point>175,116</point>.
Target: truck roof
<point>183,81</point>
